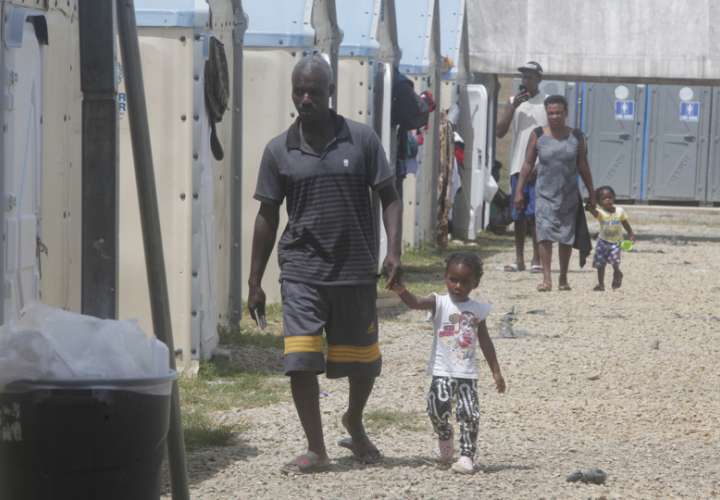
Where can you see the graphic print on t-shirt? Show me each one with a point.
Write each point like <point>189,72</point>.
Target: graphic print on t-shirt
<point>458,334</point>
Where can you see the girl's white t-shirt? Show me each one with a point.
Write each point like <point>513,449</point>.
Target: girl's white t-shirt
<point>455,337</point>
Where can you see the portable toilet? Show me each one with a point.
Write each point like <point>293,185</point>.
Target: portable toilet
<point>419,38</point>
<point>175,38</point>
<point>40,151</point>
<point>368,54</point>
<point>279,34</point>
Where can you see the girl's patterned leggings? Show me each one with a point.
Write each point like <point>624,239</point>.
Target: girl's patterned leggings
<point>467,411</point>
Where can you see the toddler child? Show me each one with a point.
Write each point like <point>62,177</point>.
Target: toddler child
<point>459,326</point>
<point>607,250</point>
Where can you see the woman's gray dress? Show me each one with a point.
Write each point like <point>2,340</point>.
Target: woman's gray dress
<point>556,189</point>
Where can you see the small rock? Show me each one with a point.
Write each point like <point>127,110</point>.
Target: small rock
<point>594,476</point>
<point>537,311</point>
<point>655,345</point>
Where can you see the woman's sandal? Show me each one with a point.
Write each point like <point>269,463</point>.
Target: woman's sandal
<point>307,463</point>
<point>544,287</point>
<point>599,288</point>
<point>564,287</point>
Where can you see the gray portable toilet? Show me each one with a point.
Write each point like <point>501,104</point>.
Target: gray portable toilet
<point>40,104</point>
<point>368,53</point>
<point>678,147</point>
<point>279,34</point>
<point>613,118</point>
<point>713,175</point>
<point>193,187</point>
<point>418,25</point>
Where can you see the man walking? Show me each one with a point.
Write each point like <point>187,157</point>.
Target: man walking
<point>323,167</point>
<point>525,112</point>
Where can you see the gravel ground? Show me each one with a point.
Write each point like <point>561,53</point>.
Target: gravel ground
<point>625,380</point>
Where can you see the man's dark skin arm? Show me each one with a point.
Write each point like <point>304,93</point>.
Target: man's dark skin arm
<point>266,224</point>
<point>392,219</point>
<point>503,124</point>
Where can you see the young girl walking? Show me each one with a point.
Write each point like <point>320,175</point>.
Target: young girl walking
<point>612,220</point>
<point>459,326</point>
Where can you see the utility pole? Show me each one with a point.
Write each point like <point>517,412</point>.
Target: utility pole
<point>152,237</point>
<point>99,158</point>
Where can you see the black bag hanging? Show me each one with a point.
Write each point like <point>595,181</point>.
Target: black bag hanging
<point>217,91</point>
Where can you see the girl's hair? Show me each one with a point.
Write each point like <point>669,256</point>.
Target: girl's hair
<point>556,99</point>
<point>470,259</point>
<point>599,191</point>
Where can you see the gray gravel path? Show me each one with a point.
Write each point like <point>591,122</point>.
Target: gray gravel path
<point>626,381</point>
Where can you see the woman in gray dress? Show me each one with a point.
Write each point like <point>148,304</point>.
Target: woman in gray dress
<point>562,154</point>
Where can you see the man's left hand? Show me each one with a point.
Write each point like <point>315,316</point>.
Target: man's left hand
<point>391,270</point>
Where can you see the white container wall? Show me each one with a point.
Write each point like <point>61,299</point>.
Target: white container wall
<point>367,56</point>
<point>193,188</point>
<point>419,39</point>
<point>279,34</point>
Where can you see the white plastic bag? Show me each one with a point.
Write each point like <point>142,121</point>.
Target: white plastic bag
<point>51,344</point>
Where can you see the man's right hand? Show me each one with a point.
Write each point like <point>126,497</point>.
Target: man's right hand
<point>256,305</point>
<point>520,98</point>
<point>519,202</point>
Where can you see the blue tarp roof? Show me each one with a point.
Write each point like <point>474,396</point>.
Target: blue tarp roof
<point>356,19</point>
<point>451,18</point>
<point>279,23</point>
<point>414,26</point>
<point>172,13</point>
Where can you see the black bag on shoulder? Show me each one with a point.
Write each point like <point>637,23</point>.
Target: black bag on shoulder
<point>408,110</point>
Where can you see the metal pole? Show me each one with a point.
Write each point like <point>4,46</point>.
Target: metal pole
<point>150,220</point>
<point>99,158</point>
<point>235,305</point>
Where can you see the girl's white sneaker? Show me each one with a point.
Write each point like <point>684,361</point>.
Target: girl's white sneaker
<point>464,465</point>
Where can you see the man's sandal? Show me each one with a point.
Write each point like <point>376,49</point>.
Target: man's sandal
<point>544,287</point>
<point>564,287</point>
<point>367,455</point>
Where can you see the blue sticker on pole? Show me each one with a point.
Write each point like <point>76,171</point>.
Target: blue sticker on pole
<point>690,111</point>
<point>624,109</point>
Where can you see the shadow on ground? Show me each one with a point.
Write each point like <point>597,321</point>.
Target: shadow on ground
<point>206,463</point>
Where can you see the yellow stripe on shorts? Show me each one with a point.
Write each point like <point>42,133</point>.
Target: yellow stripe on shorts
<point>303,343</point>
<point>353,354</point>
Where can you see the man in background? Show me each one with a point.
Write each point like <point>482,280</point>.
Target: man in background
<point>524,113</point>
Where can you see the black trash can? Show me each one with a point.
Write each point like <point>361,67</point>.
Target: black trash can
<point>83,440</point>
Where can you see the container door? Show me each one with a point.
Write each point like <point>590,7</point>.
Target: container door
<point>479,157</point>
<point>614,128</point>
<point>22,164</point>
<point>678,154</point>
<point>713,175</point>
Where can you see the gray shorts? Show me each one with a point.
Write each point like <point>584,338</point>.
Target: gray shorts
<point>347,314</point>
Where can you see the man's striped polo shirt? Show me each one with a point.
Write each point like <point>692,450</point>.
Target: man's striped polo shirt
<point>330,238</point>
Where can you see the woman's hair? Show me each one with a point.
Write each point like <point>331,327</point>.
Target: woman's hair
<point>556,99</point>
<point>470,259</point>
<point>599,191</point>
